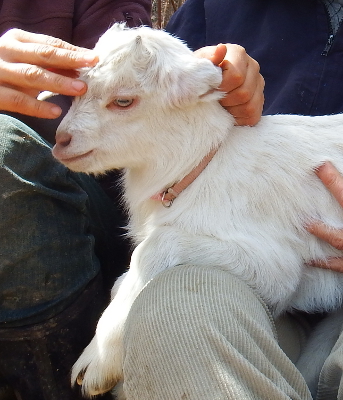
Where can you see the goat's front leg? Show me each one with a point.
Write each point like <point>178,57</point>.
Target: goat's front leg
<point>99,367</point>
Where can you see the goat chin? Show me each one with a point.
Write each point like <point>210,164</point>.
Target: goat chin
<point>152,108</point>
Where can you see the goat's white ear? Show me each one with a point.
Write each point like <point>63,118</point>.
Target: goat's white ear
<point>198,80</point>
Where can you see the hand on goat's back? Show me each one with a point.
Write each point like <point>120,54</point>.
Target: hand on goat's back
<point>333,181</point>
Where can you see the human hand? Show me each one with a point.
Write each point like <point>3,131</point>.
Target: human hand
<point>242,81</point>
<point>333,181</point>
<point>30,63</point>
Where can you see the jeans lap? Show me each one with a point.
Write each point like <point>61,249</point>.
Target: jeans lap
<point>47,247</point>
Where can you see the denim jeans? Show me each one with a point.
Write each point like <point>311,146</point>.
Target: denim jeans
<point>36,360</point>
<point>61,249</point>
<point>57,229</point>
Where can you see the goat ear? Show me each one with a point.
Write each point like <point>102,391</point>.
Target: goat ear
<point>198,80</point>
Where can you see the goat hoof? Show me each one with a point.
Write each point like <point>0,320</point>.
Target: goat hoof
<point>79,378</point>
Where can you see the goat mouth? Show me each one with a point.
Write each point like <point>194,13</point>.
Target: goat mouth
<point>78,157</point>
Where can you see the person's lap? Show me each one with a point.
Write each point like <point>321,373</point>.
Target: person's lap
<point>202,333</point>
<point>59,234</point>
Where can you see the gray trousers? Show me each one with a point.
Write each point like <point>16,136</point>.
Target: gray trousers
<point>199,333</point>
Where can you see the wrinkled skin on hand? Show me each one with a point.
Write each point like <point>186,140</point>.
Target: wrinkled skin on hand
<point>333,181</point>
<point>30,63</point>
<point>242,81</point>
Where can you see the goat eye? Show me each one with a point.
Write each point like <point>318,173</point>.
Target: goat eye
<point>123,102</point>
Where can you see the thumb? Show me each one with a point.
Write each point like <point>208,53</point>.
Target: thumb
<point>216,54</point>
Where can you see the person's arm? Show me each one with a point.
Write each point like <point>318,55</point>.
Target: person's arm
<point>242,81</point>
<point>333,181</point>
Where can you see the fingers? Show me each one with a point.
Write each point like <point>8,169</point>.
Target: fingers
<point>244,86</point>
<point>28,37</point>
<point>235,67</point>
<point>250,100</point>
<point>216,54</point>
<point>65,72</point>
<point>332,236</point>
<point>242,81</point>
<point>42,50</point>
<point>17,101</point>
<point>30,63</point>
<point>26,76</point>
<point>332,180</point>
<point>333,263</point>
<point>48,56</point>
<point>21,83</point>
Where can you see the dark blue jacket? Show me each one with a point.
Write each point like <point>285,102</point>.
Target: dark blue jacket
<point>291,39</point>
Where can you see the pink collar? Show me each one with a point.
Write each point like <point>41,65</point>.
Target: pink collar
<point>170,194</point>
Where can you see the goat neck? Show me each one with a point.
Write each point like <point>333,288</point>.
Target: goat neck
<point>168,196</point>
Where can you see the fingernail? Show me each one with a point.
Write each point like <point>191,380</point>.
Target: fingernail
<point>56,111</point>
<point>89,57</point>
<point>318,168</point>
<point>312,263</point>
<point>78,85</point>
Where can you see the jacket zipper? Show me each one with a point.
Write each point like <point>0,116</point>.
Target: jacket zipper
<point>328,45</point>
<point>331,37</point>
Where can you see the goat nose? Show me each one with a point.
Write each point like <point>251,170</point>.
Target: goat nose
<point>63,138</point>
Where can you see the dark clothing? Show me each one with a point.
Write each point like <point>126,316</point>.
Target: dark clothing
<point>79,22</point>
<point>57,229</point>
<point>36,359</point>
<point>289,38</point>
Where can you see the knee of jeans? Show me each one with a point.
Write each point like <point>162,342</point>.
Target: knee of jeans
<point>21,148</point>
<point>13,130</point>
<point>8,122</point>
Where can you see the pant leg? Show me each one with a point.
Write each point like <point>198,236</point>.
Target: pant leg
<point>54,239</point>
<point>6,392</point>
<point>56,229</point>
<point>330,385</point>
<point>200,333</point>
<point>36,360</point>
<point>45,239</point>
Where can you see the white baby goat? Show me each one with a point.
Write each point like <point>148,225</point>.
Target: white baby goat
<point>152,108</point>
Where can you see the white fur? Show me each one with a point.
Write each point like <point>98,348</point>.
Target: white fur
<point>246,211</point>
